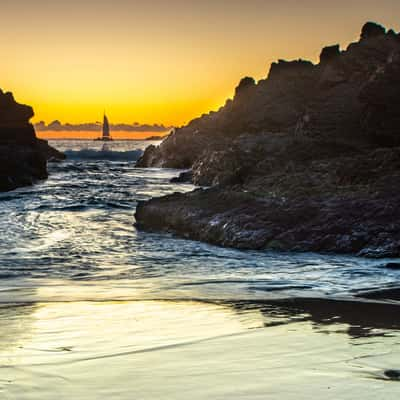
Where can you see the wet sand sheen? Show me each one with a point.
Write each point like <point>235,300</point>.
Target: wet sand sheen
<point>187,349</point>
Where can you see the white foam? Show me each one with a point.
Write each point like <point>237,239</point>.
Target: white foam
<point>91,154</point>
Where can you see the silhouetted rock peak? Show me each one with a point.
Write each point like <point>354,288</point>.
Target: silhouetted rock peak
<point>244,85</point>
<point>285,68</point>
<point>329,54</point>
<point>351,96</point>
<point>13,112</point>
<point>372,29</point>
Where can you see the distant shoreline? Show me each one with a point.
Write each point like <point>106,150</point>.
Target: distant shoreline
<point>115,140</point>
<point>90,135</point>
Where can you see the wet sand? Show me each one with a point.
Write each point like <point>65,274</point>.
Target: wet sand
<point>286,349</point>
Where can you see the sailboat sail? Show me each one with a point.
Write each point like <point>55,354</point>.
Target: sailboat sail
<point>106,128</point>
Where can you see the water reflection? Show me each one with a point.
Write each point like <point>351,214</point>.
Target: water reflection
<point>356,318</point>
<point>154,349</point>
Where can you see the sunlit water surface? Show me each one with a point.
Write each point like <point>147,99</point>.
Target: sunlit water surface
<point>90,308</point>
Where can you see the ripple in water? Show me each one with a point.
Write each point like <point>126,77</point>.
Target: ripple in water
<point>77,227</point>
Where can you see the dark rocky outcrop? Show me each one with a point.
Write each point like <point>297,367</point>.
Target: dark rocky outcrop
<point>51,154</point>
<point>334,100</point>
<point>307,159</point>
<point>184,177</point>
<point>342,204</point>
<point>23,157</point>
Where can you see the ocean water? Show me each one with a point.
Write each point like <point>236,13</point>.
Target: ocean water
<point>91,308</point>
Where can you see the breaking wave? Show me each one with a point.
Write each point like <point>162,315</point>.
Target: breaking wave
<point>91,154</point>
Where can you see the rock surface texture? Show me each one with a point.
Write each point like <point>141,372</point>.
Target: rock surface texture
<point>23,157</point>
<point>307,159</point>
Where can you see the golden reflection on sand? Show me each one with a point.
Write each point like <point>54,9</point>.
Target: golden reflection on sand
<point>185,349</point>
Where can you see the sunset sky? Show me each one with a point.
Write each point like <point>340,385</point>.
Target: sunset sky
<point>161,61</point>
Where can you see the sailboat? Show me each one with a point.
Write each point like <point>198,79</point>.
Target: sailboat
<point>106,130</point>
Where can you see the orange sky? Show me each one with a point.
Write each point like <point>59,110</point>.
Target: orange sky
<point>159,61</point>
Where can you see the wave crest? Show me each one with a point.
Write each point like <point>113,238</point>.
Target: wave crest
<point>91,154</point>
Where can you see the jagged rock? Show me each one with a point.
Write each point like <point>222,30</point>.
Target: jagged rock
<point>372,29</point>
<point>184,177</point>
<point>329,54</point>
<point>307,159</point>
<point>296,206</point>
<point>148,157</point>
<point>20,166</point>
<point>325,101</point>
<point>23,157</point>
<point>51,154</point>
<point>244,85</point>
<point>381,103</point>
<point>12,112</point>
<point>289,69</point>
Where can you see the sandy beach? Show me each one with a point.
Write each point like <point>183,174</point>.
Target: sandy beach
<point>181,349</point>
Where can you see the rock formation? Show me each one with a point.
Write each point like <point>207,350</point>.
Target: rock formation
<point>333,99</point>
<point>307,159</point>
<point>23,157</point>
